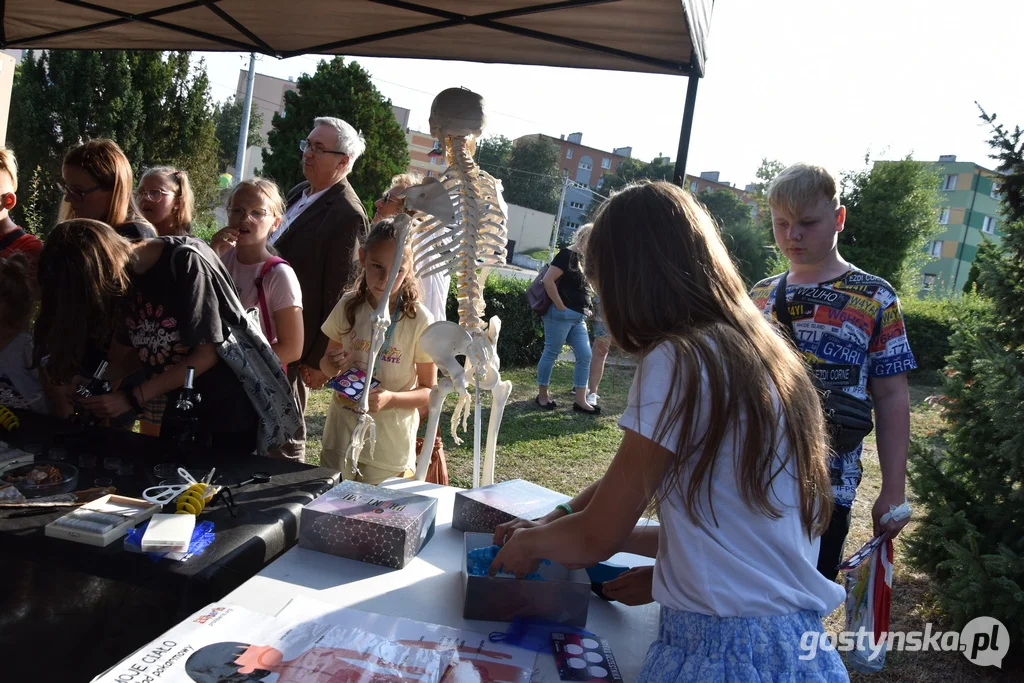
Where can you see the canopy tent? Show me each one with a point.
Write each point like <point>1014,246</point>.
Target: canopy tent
<point>652,36</point>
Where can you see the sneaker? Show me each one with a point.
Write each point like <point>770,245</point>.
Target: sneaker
<point>592,399</point>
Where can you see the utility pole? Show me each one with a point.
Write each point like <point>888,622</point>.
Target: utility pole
<point>243,130</point>
<point>558,219</point>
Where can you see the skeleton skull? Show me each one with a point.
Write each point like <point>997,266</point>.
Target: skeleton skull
<point>457,112</point>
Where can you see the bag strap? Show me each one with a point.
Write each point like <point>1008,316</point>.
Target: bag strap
<point>782,307</point>
<point>269,264</point>
<point>11,238</point>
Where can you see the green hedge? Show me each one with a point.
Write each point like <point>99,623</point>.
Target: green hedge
<point>522,332</point>
<point>931,322</point>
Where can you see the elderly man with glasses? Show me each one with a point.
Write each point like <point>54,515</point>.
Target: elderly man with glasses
<point>318,236</point>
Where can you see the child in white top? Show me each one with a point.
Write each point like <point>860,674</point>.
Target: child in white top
<point>724,432</point>
<point>404,370</point>
<point>20,386</point>
<point>255,209</point>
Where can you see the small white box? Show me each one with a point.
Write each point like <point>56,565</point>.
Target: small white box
<point>102,521</point>
<point>168,534</point>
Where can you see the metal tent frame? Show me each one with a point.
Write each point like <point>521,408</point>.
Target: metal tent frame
<point>652,36</point>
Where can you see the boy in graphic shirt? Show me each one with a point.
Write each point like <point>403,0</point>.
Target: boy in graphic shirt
<point>849,329</point>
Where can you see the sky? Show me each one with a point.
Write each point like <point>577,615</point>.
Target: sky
<point>822,81</point>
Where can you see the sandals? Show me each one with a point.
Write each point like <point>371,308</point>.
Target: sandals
<point>550,405</point>
<point>577,408</point>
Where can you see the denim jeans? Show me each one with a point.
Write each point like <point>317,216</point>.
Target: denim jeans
<point>560,327</point>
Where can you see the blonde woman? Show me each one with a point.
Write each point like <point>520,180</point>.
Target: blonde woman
<point>165,198</point>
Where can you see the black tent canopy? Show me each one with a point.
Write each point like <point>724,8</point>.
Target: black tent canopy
<point>651,36</point>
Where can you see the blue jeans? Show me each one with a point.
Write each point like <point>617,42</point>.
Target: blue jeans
<point>560,327</point>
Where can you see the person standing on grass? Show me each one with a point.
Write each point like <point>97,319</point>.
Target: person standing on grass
<point>849,327</point>
<point>405,372</point>
<point>600,348</point>
<point>566,320</point>
<point>322,225</point>
<point>723,430</point>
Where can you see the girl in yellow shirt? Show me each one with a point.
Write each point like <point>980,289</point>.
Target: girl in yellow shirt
<point>404,370</point>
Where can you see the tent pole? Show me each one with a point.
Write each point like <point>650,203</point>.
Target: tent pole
<point>684,134</point>
<point>243,129</point>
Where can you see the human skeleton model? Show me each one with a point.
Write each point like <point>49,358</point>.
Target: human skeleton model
<point>468,248</point>
<point>465,235</point>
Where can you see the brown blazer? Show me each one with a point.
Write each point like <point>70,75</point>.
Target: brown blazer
<point>320,246</point>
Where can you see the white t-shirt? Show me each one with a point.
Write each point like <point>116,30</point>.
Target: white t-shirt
<point>294,211</point>
<point>280,286</point>
<point>749,565</point>
<point>19,382</point>
<point>434,294</point>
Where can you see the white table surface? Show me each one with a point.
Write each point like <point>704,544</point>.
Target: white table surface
<point>430,589</point>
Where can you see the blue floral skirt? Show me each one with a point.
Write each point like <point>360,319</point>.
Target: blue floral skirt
<point>698,647</point>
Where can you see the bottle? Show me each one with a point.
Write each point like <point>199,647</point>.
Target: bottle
<point>181,419</point>
<point>97,386</point>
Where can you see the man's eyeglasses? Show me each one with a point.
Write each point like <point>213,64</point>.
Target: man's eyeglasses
<point>236,213</point>
<point>152,195</point>
<point>318,148</point>
<point>75,193</point>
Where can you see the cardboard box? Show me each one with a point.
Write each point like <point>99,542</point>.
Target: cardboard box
<point>368,523</point>
<point>483,509</point>
<point>563,596</point>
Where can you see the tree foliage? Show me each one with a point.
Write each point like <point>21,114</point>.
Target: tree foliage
<point>531,177</point>
<point>156,106</point>
<point>748,244</point>
<point>891,211</point>
<point>971,539</point>
<point>493,155</point>
<point>345,91</point>
<point>228,116</point>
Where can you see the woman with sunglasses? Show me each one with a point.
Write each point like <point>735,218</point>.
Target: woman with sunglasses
<point>97,184</point>
<point>165,197</point>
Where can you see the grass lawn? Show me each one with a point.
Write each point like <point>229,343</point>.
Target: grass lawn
<point>566,451</point>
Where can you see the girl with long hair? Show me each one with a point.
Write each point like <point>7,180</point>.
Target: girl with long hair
<point>404,370</point>
<point>152,302</point>
<point>724,433</point>
<point>97,184</point>
<point>165,198</point>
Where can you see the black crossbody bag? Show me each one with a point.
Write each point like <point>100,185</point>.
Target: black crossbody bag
<point>847,417</point>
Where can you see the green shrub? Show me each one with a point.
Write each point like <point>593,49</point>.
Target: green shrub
<point>522,333</point>
<point>931,322</point>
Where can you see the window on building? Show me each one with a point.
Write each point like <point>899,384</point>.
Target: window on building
<point>927,280</point>
<point>430,174</point>
<point>565,173</point>
<point>949,183</point>
<point>568,153</point>
<point>606,163</point>
<point>995,191</point>
<point>944,217</point>
<point>584,166</point>
<point>433,161</point>
<point>437,144</point>
<point>988,226</point>
<point>936,249</point>
<point>571,225</point>
<point>577,205</point>
<point>693,186</point>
